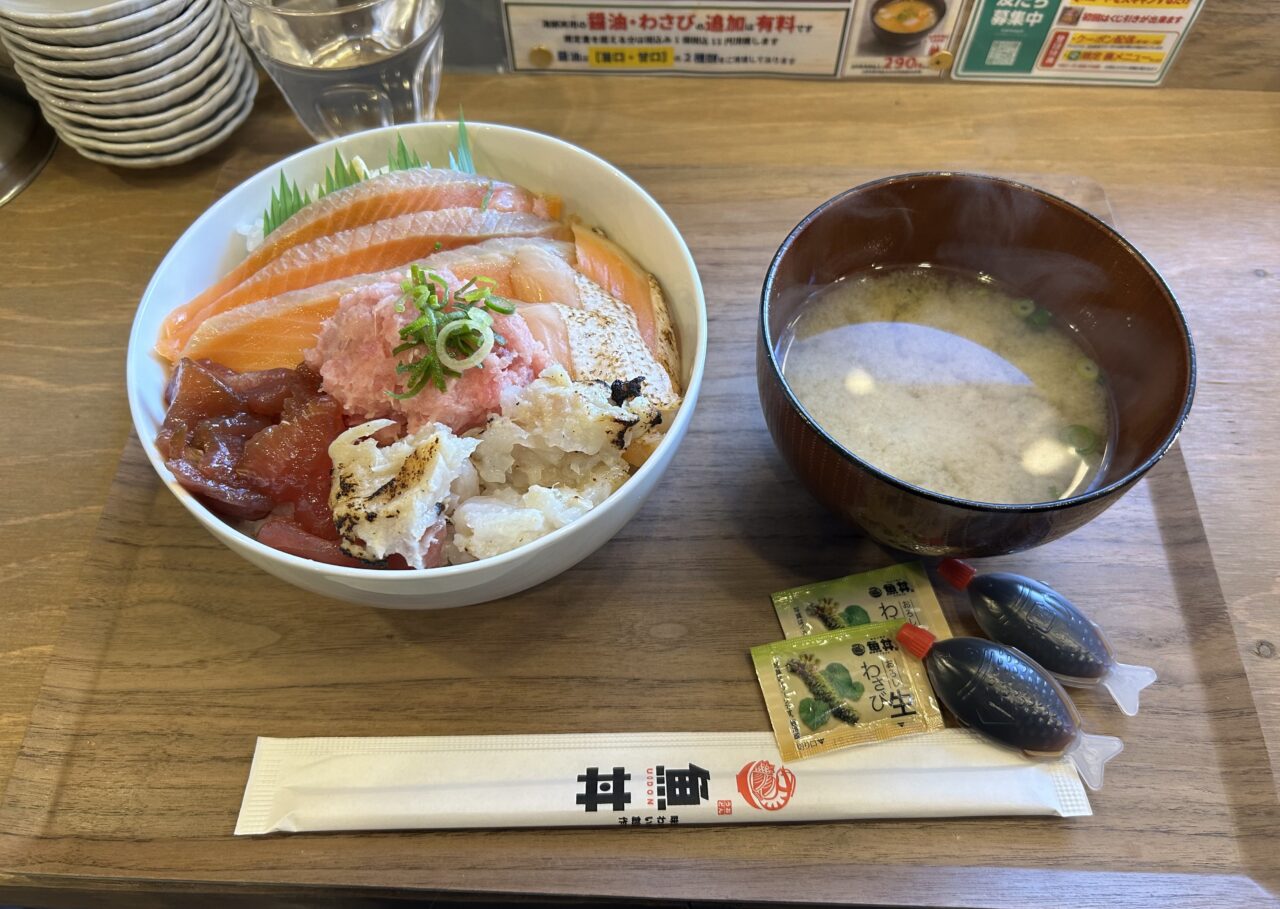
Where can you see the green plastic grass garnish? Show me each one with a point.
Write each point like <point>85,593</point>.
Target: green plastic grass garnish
<point>402,158</point>
<point>340,176</point>
<point>286,200</point>
<point>462,160</point>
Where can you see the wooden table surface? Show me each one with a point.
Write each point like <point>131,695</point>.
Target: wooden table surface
<point>1193,178</point>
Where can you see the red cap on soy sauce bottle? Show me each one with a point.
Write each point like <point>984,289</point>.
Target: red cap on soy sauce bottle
<point>1046,626</point>
<point>1007,697</point>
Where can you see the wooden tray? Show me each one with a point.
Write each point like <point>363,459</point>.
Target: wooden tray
<point>178,654</point>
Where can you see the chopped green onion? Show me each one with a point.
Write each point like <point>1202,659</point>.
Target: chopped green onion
<point>1023,308</point>
<point>500,304</point>
<point>1087,368</point>
<point>1083,439</point>
<point>1039,319</point>
<point>450,340</point>
<point>466,333</point>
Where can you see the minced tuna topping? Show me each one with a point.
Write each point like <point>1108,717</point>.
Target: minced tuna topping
<point>353,355</point>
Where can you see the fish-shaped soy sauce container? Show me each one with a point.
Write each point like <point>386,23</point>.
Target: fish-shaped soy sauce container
<point>999,692</point>
<point>1049,628</point>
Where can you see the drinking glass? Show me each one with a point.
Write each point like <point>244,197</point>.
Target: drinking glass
<point>348,65</point>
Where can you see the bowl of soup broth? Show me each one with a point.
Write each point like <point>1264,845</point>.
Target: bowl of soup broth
<point>961,365</point>
<point>902,23</point>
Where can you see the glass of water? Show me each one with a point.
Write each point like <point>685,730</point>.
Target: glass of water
<point>348,65</point>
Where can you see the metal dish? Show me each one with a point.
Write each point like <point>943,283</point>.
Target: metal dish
<point>26,141</point>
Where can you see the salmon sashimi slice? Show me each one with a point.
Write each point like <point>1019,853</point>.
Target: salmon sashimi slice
<point>599,340</point>
<point>369,248</point>
<point>610,266</point>
<point>376,199</point>
<point>275,333</point>
<point>271,333</point>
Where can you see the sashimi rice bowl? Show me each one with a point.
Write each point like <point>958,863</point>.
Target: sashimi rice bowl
<point>422,366</point>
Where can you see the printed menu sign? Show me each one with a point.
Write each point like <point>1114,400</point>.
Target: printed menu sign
<point>781,38</point>
<point>900,37</point>
<point>1094,41</point>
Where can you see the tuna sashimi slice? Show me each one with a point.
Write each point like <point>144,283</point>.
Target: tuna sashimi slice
<point>376,199</point>
<point>609,265</point>
<point>275,332</point>
<point>281,533</point>
<point>370,248</point>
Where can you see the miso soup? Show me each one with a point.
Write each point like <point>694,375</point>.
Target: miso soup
<point>949,383</point>
<point>906,17</point>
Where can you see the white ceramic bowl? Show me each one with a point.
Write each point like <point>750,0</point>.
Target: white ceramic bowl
<point>211,45</point>
<point>151,160</point>
<point>109,49</point>
<point>214,121</point>
<point>138,63</point>
<point>168,100</point>
<point>121,28</point>
<point>592,189</point>
<point>69,13</point>
<point>170,122</point>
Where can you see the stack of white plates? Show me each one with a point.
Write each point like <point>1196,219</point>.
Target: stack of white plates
<point>135,83</point>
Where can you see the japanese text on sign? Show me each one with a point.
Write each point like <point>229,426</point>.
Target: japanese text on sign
<point>1107,41</point>
<point>790,39</point>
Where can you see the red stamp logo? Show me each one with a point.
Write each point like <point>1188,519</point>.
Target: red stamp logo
<point>765,786</point>
<point>724,806</point>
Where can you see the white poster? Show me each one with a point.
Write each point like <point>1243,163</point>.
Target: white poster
<point>780,38</point>
<point>901,37</point>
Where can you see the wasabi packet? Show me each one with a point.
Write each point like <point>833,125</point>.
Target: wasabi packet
<point>899,593</point>
<point>844,687</point>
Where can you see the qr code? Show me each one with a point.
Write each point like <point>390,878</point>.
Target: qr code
<point>1003,53</point>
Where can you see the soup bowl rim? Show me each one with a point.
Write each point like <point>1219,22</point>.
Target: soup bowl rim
<point>939,8</point>
<point>1092,495</point>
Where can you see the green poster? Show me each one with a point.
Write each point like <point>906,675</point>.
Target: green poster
<point>1005,37</point>
<point>1112,42</point>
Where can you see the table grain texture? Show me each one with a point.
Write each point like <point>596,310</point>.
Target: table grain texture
<point>125,731</point>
